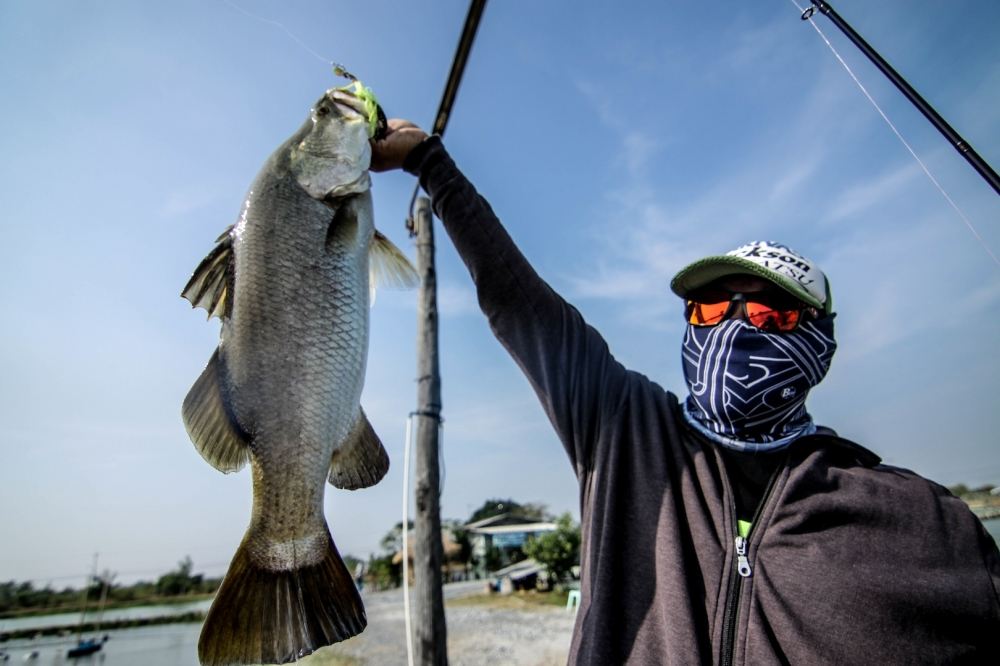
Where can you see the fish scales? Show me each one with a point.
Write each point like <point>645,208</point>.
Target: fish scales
<point>290,282</point>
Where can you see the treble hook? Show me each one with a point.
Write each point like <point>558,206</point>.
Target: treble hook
<point>340,70</point>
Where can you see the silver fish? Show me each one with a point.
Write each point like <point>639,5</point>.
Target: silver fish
<point>290,283</point>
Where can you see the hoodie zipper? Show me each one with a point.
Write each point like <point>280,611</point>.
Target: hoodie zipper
<point>742,570</point>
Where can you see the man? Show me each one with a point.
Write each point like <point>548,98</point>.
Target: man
<point>727,528</point>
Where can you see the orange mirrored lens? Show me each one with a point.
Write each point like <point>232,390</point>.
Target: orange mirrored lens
<point>767,318</point>
<point>706,314</point>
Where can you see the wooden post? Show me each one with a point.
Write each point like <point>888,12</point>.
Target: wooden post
<point>429,628</point>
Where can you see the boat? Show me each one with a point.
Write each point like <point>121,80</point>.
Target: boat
<point>88,646</point>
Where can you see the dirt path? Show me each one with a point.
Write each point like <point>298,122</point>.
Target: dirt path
<point>499,632</point>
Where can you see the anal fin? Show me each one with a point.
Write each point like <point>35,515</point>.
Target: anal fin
<point>209,421</point>
<point>361,460</point>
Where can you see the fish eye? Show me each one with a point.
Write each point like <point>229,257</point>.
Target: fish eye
<point>322,111</point>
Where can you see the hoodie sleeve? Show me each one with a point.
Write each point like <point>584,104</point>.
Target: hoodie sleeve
<point>581,386</point>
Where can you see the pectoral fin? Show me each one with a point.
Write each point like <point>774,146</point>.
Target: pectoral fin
<point>211,285</point>
<point>210,423</point>
<point>361,461</point>
<point>388,266</point>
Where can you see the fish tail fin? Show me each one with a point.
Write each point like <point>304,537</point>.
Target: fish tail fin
<point>261,616</point>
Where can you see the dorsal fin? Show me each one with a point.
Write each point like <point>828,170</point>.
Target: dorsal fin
<point>211,285</point>
<point>388,266</point>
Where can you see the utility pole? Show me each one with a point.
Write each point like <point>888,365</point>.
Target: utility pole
<point>430,629</point>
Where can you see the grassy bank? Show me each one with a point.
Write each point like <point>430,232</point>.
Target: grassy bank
<point>109,605</point>
<point>515,600</point>
<point>93,627</point>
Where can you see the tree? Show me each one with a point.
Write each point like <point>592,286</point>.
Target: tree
<point>461,537</point>
<point>392,542</point>
<point>180,581</point>
<point>98,583</point>
<point>559,550</point>
<point>497,507</point>
<point>382,574</point>
<point>959,489</point>
<point>352,563</point>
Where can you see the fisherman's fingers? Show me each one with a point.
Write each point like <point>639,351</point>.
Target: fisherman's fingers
<point>401,137</point>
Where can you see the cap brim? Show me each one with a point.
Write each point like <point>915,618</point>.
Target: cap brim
<point>704,271</point>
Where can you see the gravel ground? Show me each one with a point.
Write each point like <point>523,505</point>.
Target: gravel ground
<point>478,633</point>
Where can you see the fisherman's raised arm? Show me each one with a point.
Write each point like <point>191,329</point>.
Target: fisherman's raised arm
<point>566,361</point>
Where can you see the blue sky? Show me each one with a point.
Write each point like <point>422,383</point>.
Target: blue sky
<point>617,142</point>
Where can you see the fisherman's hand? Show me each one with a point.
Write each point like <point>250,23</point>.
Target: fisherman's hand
<point>400,138</point>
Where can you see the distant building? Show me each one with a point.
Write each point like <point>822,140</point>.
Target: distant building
<point>497,541</point>
<point>452,569</point>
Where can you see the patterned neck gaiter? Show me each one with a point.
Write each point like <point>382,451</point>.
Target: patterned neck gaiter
<point>748,388</point>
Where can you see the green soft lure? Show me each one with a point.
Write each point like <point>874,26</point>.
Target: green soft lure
<point>365,94</point>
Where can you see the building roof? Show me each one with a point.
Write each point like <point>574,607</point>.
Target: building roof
<point>519,570</point>
<point>514,529</point>
<point>504,519</point>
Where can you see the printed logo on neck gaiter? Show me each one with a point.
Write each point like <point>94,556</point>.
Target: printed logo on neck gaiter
<point>750,385</point>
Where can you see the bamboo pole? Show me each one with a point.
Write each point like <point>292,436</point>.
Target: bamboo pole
<point>429,628</point>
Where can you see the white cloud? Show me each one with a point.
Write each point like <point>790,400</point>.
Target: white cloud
<point>865,195</point>
<point>796,178</point>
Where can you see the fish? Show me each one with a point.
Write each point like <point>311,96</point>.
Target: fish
<point>291,282</point>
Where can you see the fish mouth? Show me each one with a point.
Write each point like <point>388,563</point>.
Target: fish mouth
<point>347,100</point>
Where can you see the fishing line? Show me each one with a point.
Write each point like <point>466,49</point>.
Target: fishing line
<point>405,531</point>
<point>282,26</point>
<point>441,462</point>
<point>807,15</point>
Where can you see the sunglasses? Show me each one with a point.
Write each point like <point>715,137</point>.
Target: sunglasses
<point>767,313</point>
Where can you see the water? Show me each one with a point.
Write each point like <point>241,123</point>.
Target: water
<point>163,645</point>
<point>993,527</point>
<point>71,620</point>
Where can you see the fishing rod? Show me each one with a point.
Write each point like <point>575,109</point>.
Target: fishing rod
<point>454,79</point>
<point>953,137</point>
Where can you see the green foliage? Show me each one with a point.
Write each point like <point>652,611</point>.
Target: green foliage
<point>461,537</point>
<point>493,559</point>
<point>392,542</point>
<point>351,563</point>
<point>180,581</point>
<point>382,574</point>
<point>24,598</point>
<point>16,596</point>
<point>965,492</point>
<point>559,550</point>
